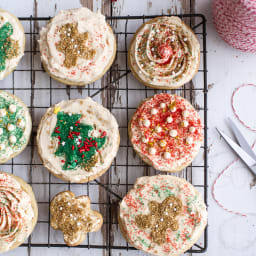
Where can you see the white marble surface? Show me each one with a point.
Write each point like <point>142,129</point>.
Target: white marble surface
<point>227,69</point>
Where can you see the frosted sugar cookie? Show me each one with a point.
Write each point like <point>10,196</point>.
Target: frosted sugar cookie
<point>164,53</point>
<point>18,210</point>
<point>162,215</point>
<point>78,139</point>
<point>74,217</point>
<point>15,126</point>
<point>77,46</point>
<point>12,43</point>
<point>166,132</point>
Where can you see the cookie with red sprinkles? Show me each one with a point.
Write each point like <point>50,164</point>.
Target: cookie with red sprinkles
<point>77,46</point>
<point>164,53</point>
<point>77,140</point>
<point>18,210</point>
<point>162,215</point>
<point>166,131</point>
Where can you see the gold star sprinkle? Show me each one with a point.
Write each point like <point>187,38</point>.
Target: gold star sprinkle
<point>56,110</point>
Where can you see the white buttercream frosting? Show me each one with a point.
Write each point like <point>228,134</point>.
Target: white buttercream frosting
<point>101,39</point>
<point>165,53</point>
<point>16,212</point>
<point>155,189</point>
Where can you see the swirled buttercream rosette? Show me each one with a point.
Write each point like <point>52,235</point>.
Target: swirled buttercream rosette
<point>18,211</point>
<point>164,53</point>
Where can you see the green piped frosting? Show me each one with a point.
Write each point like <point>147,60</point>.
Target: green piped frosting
<point>75,144</point>
<point>8,47</point>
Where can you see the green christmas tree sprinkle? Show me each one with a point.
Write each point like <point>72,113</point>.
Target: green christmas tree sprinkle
<point>75,144</point>
<point>9,48</point>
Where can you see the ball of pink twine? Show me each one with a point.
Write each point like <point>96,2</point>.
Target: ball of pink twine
<point>235,21</point>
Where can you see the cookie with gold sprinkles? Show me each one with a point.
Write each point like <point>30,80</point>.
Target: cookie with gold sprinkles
<point>77,140</point>
<point>15,126</point>
<point>74,217</point>
<point>18,209</point>
<point>166,131</point>
<point>162,215</point>
<point>164,53</point>
<point>12,43</point>
<point>77,46</point>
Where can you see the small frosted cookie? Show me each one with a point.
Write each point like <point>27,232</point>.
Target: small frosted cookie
<point>162,215</point>
<point>12,43</point>
<point>18,209</point>
<point>164,53</point>
<point>78,140</point>
<point>166,132</point>
<point>15,126</point>
<point>77,46</point>
<point>74,217</point>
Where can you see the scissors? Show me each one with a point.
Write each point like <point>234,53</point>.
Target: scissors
<point>242,148</point>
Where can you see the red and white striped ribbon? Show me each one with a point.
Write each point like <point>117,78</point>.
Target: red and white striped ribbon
<point>235,21</point>
<point>234,161</point>
<point>234,109</point>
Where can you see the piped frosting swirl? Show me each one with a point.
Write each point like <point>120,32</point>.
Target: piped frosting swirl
<point>16,213</point>
<point>165,53</point>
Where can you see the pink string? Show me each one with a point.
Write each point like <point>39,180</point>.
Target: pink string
<point>235,160</point>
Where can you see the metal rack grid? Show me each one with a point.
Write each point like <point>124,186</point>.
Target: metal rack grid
<point>117,84</point>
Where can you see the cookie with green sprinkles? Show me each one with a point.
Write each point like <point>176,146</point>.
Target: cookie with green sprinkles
<point>77,140</point>
<point>12,43</point>
<point>164,53</point>
<point>15,126</point>
<point>162,215</point>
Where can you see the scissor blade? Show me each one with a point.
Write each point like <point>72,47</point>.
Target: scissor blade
<point>248,160</point>
<point>241,139</point>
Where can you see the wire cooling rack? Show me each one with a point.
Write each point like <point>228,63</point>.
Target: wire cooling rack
<point>120,93</point>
